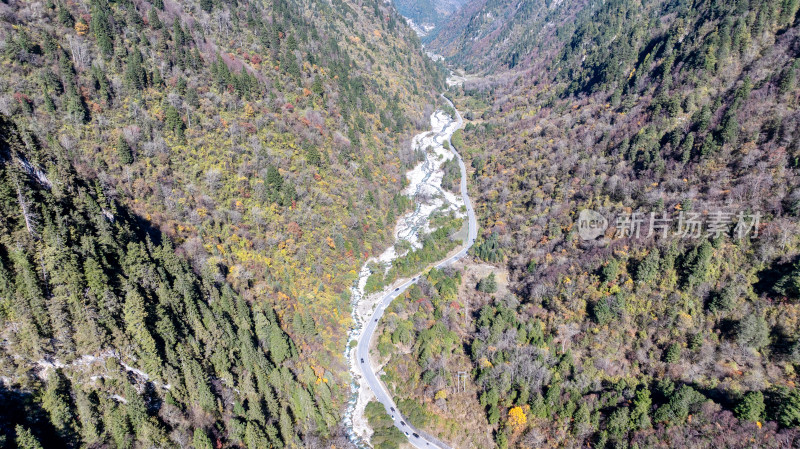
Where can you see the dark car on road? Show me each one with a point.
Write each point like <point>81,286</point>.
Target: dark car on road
<point>415,435</point>
<point>362,360</point>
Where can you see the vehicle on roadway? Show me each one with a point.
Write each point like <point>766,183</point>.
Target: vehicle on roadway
<point>397,418</point>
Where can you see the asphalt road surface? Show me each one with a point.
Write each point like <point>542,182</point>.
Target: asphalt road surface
<point>415,436</point>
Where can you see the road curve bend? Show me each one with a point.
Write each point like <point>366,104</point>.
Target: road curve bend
<point>416,437</point>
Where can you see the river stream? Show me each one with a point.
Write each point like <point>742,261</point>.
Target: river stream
<point>425,188</point>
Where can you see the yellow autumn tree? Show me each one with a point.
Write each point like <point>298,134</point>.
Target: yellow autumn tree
<point>517,418</point>
<point>81,28</point>
<point>249,111</point>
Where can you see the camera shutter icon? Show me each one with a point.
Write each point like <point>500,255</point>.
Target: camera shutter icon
<point>591,224</point>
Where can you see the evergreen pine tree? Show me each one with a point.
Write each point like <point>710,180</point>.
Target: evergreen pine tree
<point>56,401</point>
<point>173,120</point>
<point>152,17</point>
<point>65,17</point>
<point>751,408</point>
<point>124,150</point>
<point>26,440</point>
<point>201,440</point>
<point>135,76</point>
<point>101,28</point>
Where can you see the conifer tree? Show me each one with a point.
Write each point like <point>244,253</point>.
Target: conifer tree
<point>101,28</point>
<point>135,76</point>
<point>152,17</point>
<point>124,150</point>
<point>57,402</point>
<point>65,17</point>
<point>201,440</point>
<point>751,408</point>
<point>26,440</point>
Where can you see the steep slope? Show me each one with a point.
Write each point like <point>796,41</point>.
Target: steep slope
<point>427,14</point>
<point>245,133</point>
<point>490,35</point>
<point>687,338</point>
<point>109,338</point>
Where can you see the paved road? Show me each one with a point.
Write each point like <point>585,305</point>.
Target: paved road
<point>415,437</point>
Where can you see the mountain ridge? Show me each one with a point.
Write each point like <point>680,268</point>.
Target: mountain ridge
<point>615,337</point>
<point>242,134</point>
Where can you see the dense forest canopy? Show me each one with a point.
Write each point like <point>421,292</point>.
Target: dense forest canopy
<point>182,214</point>
<point>620,107</point>
<point>189,188</point>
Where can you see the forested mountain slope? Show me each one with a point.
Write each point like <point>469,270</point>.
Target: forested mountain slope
<point>621,106</point>
<point>183,212</point>
<point>90,293</point>
<point>487,35</point>
<point>428,12</point>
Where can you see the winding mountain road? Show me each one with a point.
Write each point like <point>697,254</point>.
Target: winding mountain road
<point>416,437</point>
